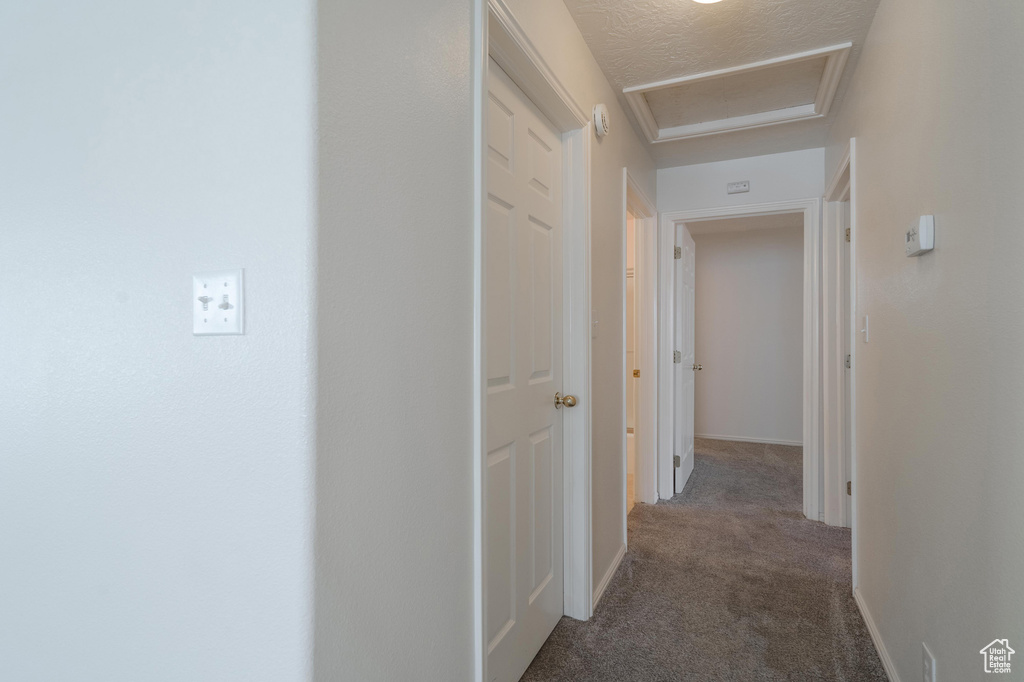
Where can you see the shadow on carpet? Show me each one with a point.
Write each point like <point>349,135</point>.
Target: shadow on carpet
<point>725,581</point>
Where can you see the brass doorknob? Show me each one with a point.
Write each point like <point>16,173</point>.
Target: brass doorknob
<point>568,400</point>
<point>697,368</point>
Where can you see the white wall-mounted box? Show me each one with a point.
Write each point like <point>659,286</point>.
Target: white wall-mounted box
<point>921,237</point>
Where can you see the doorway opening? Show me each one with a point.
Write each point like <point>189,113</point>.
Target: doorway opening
<point>678,369</point>
<point>639,343</point>
<point>531,517</point>
<point>748,329</point>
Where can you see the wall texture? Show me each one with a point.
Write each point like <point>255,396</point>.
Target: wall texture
<point>394,540</point>
<point>935,107</point>
<point>558,39</point>
<point>775,177</point>
<point>749,334</point>
<point>154,486</point>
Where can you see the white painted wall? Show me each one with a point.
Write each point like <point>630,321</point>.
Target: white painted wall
<point>557,38</point>
<point>158,488</point>
<point>394,540</point>
<point>775,177</point>
<point>749,334</point>
<point>935,105</point>
<point>155,487</point>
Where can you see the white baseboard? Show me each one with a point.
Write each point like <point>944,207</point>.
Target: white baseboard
<point>743,439</point>
<point>603,585</point>
<point>876,637</point>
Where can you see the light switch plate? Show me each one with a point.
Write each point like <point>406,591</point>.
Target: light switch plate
<point>217,303</point>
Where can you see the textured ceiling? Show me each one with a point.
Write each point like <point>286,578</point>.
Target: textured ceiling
<point>641,41</point>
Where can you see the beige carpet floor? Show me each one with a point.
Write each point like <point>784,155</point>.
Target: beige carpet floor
<point>726,581</point>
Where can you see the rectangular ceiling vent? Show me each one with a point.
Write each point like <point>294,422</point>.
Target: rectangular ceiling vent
<point>791,88</point>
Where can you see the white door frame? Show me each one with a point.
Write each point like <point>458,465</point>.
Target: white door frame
<point>645,283</point>
<point>841,188</point>
<point>498,35</point>
<point>811,208</point>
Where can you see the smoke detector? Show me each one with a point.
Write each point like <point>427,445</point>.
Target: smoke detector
<point>601,120</point>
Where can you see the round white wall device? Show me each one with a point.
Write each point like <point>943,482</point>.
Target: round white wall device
<point>600,120</point>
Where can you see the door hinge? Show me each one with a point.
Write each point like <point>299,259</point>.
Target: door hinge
<point>636,373</point>
<point>849,487</point>
<point>848,361</point>
<point>677,356</point>
<point>676,461</point>
<point>678,253</point>
<point>847,234</point>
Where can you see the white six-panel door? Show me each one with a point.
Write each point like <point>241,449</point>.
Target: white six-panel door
<point>523,311</point>
<point>685,284</point>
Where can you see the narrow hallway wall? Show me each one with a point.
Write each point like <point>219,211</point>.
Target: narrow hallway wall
<point>773,177</point>
<point>394,540</point>
<point>935,107</point>
<point>155,486</point>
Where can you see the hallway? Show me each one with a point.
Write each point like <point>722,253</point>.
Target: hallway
<point>726,581</point>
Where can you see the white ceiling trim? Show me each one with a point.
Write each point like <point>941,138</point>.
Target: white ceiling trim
<point>835,61</point>
<point>510,46</point>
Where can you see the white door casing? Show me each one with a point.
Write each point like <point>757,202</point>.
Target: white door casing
<point>838,340</point>
<point>847,408</point>
<point>833,370</point>
<point>523,288</point>
<point>645,288</point>
<point>666,406</point>
<point>812,353</point>
<point>684,374</point>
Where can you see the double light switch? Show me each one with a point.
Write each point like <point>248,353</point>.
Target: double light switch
<point>217,303</point>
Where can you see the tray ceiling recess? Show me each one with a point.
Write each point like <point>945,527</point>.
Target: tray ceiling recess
<point>781,90</point>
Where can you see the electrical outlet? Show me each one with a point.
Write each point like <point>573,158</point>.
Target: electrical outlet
<point>738,187</point>
<point>927,663</point>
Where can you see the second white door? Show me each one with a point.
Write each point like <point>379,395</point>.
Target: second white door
<point>523,311</point>
<point>685,369</point>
